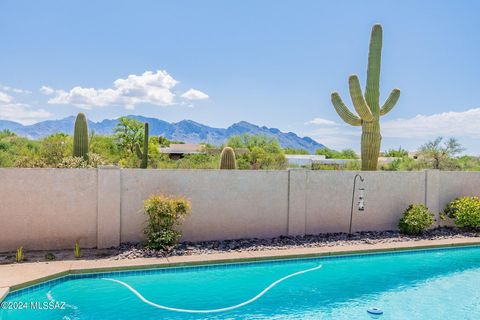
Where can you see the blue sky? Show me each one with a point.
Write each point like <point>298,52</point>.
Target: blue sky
<point>272,63</point>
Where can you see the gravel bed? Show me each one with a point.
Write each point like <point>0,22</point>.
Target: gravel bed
<point>132,251</point>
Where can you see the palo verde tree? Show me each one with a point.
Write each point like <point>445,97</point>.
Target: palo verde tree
<point>440,154</point>
<point>368,107</point>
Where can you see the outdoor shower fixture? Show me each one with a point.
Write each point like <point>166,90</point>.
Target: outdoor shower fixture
<point>361,199</point>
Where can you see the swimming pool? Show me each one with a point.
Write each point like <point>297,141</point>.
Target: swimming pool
<point>436,284</point>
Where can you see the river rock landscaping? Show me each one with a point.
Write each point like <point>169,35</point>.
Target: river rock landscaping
<point>136,250</point>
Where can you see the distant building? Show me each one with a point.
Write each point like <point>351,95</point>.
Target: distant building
<point>387,159</point>
<point>414,154</point>
<point>303,159</point>
<point>177,151</point>
<point>307,160</point>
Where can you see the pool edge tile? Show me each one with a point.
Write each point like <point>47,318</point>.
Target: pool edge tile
<point>243,257</point>
<point>3,293</point>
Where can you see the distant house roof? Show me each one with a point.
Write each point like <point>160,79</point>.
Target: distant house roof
<point>238,151</point>
<point>183,148</point>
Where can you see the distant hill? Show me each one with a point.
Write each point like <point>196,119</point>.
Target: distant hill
<point>187,130</point>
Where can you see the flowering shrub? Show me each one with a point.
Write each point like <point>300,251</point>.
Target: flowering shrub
<point>164,214</point>
<point>465,211</point>
<point>416,219</point>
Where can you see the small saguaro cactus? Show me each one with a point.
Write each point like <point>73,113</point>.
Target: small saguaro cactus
<point>368,107</point>
<point>227,159</point>
<point>143,155</point>
<point>80,137</point>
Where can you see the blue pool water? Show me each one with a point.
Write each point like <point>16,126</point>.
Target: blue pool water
<point>430,284</point>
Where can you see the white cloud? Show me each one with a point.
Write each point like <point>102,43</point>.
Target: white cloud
<point>19,112</point>
<point>22,113</point>
<point>47,90</point>
<point>321,121</point>
<point>337,136</point>
<point>461,124</point>
<point>5,98</point>
<point>14,90</point>
<point>464,123</point>
<point>332,134</point>
<point>149,88</point>
<point>193,94</point>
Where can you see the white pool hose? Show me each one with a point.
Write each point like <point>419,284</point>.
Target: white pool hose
<point>258,296</point>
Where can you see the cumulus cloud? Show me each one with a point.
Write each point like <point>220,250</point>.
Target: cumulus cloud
<point>19,112</point>
<point>421,127</point>
<point>464,123</point>
<point>193,94</point>
<point>47,90</point>
<point>22,113</point>
<point>321,121</point>
<point>154,88</point>
<point>338,136</point>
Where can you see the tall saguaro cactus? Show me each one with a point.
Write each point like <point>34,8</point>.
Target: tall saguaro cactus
<point>368,106</point>
<point>143,156</point>
<point>80,137</point>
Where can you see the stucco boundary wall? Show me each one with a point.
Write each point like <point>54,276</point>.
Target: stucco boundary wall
<point>46,209</point>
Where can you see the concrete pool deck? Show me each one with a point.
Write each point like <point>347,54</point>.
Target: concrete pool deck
<point>16,276</point>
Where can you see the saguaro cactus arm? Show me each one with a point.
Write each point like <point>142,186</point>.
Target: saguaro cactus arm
<point>390,102</point>
<point>343,111</point>
<point>358,100</point>
<point>372,92</point>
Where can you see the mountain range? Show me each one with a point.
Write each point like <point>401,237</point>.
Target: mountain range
<point>186,130</point>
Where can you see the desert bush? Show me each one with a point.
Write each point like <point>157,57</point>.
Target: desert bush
<point>352,165</point>
<point>54,148</point>
<point>164,215</point>
<point>416,220</point>
<point>263,152</point>
<point>465,211</point>
<point>334,154</point>
<point>27,162</point>
<point>49,256</point>
<point>93,161</point>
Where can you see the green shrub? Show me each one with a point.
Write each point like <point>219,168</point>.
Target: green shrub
<point>416,219</point>
<point>164,214</point>
<point>49,256</point>
<point>465,211</point>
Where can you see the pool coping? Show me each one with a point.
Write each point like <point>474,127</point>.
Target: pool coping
<point>18,276</point>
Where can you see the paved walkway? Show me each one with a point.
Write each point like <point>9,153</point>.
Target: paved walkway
<point>15,276</point>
